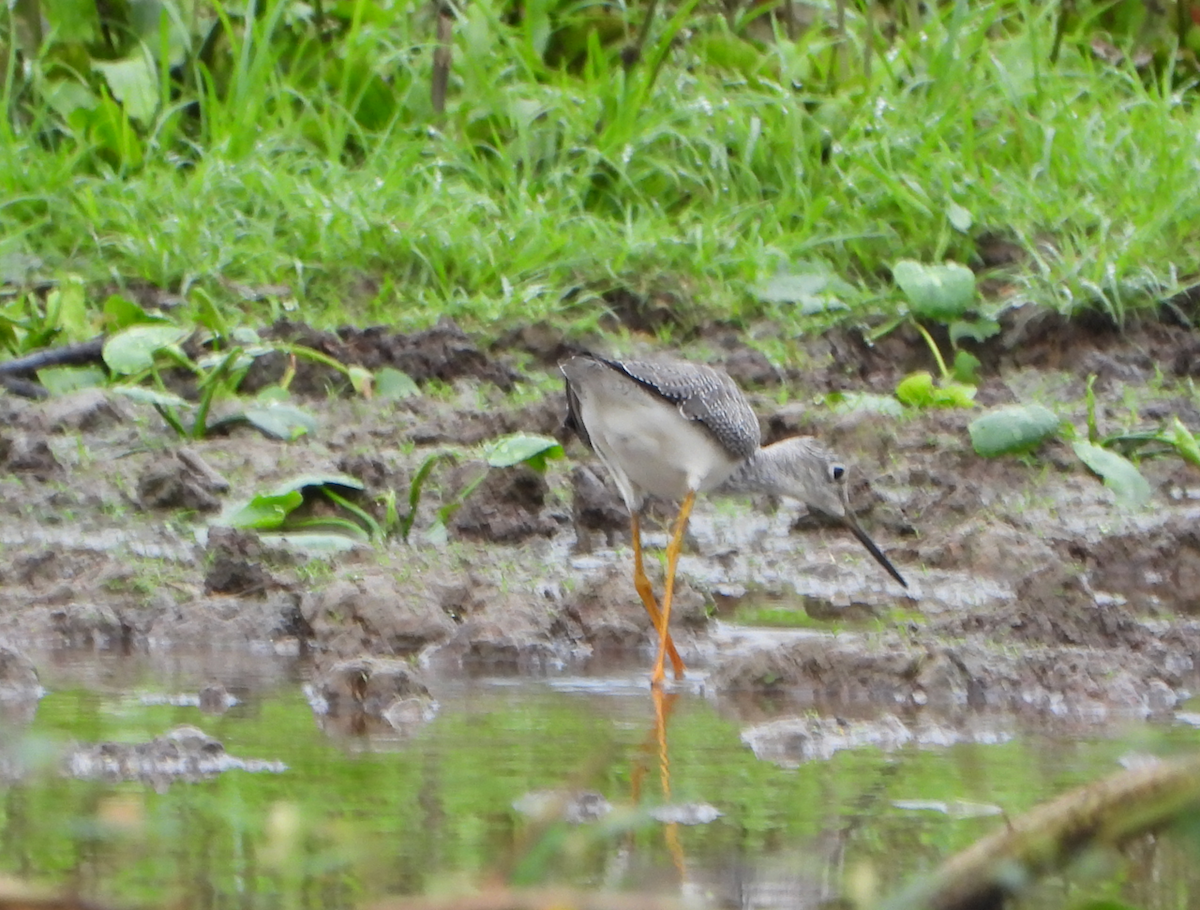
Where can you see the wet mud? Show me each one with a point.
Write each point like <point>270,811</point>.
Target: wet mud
<point>1032,592</point>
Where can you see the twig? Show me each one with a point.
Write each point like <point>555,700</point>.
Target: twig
<point>633,53</point>
<point>441,57</point>
<point>1108,812</point>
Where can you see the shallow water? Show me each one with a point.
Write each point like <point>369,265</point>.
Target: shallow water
<point>357,817</point>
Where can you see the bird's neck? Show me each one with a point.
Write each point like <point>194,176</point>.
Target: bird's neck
<point>757,474</point>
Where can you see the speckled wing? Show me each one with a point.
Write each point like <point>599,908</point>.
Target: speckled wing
<point>703,394</point>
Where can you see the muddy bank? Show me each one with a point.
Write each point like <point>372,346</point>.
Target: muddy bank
<point>1030,590</point>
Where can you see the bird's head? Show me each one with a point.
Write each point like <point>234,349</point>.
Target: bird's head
<point>803,468</point>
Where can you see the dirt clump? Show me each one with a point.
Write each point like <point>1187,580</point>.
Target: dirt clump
<point>607,616</point>
<point>221,621</point>
<point>356,694</point>
<point>235,563</point>
<point>511,638</point>
<point>1054,605</point>
<point>180,480</point>
<point>184,753</point>
<point>18,676</point>
<point>375,614</point>
<point>508,506</point>
<point>1156,569</point>
<point>1075,683</point>
<point>87,625</point>
<point>29,453</point>
<point>596,508</point>
<point>444,352</point>
<point>86,410</point>
<point>374,474</point>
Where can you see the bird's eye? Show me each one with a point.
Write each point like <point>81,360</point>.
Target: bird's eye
<point>837,472</point>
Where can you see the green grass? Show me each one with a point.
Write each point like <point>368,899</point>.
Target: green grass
<point>541,189</point>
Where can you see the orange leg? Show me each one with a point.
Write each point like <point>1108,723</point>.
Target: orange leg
<point>673,548</point>
<point>646,592</point>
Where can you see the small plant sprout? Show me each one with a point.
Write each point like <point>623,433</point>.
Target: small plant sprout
<point>944,294</point>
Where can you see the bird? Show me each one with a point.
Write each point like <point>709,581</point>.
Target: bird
<point>676,429</point>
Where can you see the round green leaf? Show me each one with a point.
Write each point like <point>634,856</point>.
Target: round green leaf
<point>1012,430</point>
<point>152,396</point>
<point>849,402</point>
<point>133,82</point>
<point>1185,442</point>
<point>1120,474</point>
<point>360,379</point>
<point>938,292</point>
<point>959,217</point>
<point>132,350</point>
<point>521,447</point>
<point>266,511</point>
<point>281,421</point>
<point>393,384</point>
<point>916,390</point>
<point>60,380</point>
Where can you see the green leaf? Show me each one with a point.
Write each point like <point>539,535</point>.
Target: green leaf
<point>264,511</point>
<point>301,481</point>
<point>980,329</point>
<point>1120,474</point>
<point>813,285</point>
<point>938,292</point>
<point>1012,430</point>
<point>536,18</point>
<point>845,402</point>
<point>1185,441</point>
<point>60,380</point>
<point>391,515</point>
<point>966,367</point>
<point>918,390</point>
<point>959,217</point>
<point>393,384</point>
<point>133,82</point>
<point>272,395</point>
<point>121,312</point>
<point>68,303</point>
<point>132,350</point>
<point>216,358</point>
<point>954,395</point>
<point>414,492</point>
<point>65,96</point>
<point>724,50</point>
<point>152,396</point>
<point>281,421</point>
<point>522,448</point>
<point>785,288</point>
<point>361,380</point>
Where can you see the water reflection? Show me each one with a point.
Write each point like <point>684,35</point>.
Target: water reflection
<point>358,818</point>
<point>656,741</point>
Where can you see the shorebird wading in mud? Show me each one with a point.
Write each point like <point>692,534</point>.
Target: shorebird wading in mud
<point>675,429</point>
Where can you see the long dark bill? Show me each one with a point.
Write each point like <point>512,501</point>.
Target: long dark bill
<point>857,531</point>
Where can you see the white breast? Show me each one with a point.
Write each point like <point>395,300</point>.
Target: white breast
<point>650,447</point>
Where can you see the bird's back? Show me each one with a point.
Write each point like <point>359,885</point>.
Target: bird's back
<point>701,393</point>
